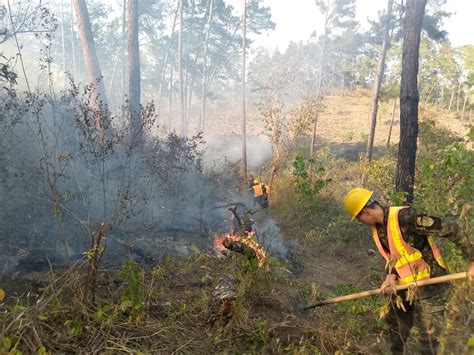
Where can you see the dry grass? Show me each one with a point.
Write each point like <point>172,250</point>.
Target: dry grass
<point>177,313</point>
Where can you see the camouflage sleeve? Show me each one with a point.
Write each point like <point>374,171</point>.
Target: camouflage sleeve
<point>423,224</point>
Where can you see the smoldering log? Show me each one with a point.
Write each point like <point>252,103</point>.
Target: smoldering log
<point>240,247</point>
<point>233,209</point>
<point>223,299</point>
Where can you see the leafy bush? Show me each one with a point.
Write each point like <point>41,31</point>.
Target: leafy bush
<point>445,165</point>
<point>307,172</point>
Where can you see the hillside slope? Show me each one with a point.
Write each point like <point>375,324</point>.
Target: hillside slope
<point>343,125</point>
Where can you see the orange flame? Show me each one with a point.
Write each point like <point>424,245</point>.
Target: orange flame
<point>218,242</point>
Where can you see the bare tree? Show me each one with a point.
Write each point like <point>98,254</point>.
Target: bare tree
<point>391,122</point>
<point>409,98</point>
<point>378,79</point>
<point>134,72</point>
<point>91,63</point>
<point>24,17</point>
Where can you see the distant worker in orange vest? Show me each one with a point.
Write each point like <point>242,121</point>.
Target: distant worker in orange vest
<point>250,181</point>
<point>404,238</point>
<point>260,194</point>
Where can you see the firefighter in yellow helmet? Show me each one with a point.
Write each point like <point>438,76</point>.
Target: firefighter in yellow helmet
<point>404,238</point>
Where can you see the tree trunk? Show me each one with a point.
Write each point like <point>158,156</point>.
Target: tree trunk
<point>464,104</point>
<point>180,66</point>
<point>378,79</point>
<point>441,99</point>
<point>409,98</point>
<point>224,298</point>
<point>73,43</point>
<point>187,71</point>
<point>451,99</point>
<point>428,96</point>
<point>91,63</point>
<point>202,120</point>
<point>111,91</point>
<point>320,80</point>
<point>120,59</point>
<point>124,24</point>
<point>391,123</point>
<point>190,97</point>
<point>458,97</point>
<point>244,119</point>
<point>171,96</point>
<point>165,61</point>
<point>276,143</point>
<point>63,43</point>
<point>134,89</point>
<point>333,74</point>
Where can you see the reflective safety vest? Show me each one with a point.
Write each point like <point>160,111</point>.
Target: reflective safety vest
<point>407,261</point>
<point>258,190</point>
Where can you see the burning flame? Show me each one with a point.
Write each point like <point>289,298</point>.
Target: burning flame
<point>248,240</point>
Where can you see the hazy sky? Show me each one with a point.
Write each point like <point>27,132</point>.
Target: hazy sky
<point>297,19</point>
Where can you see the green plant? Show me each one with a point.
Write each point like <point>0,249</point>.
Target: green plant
<point>132,297</point>
<point>74,326</point>
<point>307,173</point>
<point>9,346</point>
<point>451,171</point>
<point>94,256</point>
<point>106,313</point>
<point>258,337</point>
<point>349,136</point>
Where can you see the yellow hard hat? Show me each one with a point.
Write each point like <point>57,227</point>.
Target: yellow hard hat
<point>255,181</point>
<point>355,200</point>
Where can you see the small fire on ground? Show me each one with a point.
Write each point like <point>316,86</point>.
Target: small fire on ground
<point>221,240</point>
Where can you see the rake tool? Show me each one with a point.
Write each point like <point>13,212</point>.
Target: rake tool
<point>378,291</point>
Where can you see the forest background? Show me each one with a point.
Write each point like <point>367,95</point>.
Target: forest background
<point>124,124</point>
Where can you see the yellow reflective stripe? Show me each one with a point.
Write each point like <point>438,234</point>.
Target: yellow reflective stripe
<point>375,236</point>
<point>408,258</point>
<point>405,258</point>
<point>425,274</point>
<point>392,220</point>
<point>436,254</point>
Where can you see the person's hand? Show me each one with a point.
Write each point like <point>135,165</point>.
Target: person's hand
<point>470,272</point>
<point>388,286</point>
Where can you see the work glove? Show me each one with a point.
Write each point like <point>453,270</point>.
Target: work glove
<point>388,286</point>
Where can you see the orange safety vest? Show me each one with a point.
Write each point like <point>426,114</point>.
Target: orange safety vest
<point>258,190</point>
<point>407,261</point>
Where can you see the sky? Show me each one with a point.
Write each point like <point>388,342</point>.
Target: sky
<point>297,19</point>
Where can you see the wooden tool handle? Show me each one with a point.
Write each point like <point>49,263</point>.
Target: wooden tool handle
<point>424,282</point>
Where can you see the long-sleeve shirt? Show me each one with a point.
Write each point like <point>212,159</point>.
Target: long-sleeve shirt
<point>417,226</point>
